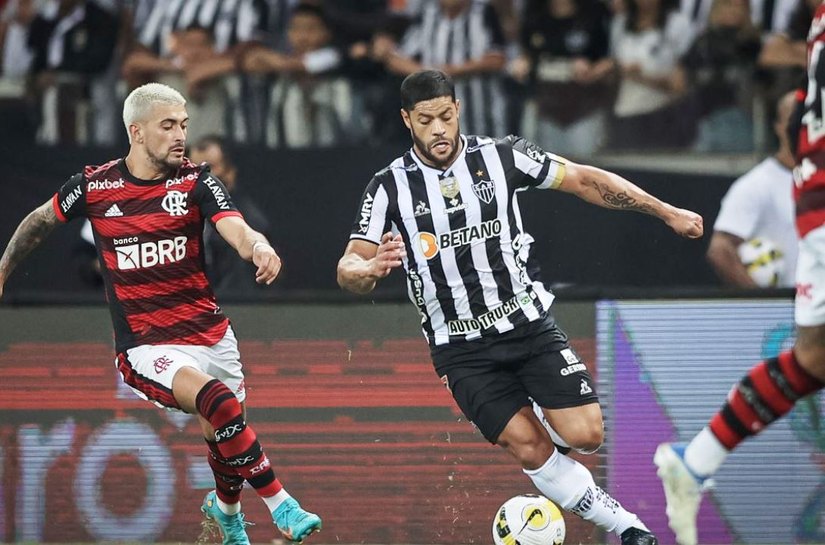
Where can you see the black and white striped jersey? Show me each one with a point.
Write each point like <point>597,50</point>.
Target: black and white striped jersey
<point>436,40</point>
<point>469,268</point>
<point>229,21</point>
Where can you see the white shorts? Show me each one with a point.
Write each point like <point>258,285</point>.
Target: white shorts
<point>149,369</point>
<point>810,280</point>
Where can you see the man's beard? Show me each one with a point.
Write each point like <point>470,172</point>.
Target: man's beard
<point>166,163</point>
<point>425,150</point>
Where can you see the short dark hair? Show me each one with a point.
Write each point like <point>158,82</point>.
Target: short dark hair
<point>219,141</point>
<point>425,85</point>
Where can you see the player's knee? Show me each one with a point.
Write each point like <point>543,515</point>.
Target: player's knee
<point>217,404</point>
<point>530,451</point>
<point>587,439</point>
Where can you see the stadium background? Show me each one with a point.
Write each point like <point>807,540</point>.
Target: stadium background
<point>341,388</point>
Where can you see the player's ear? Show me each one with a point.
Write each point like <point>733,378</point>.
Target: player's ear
<point>136,133</point>
<point>458,107</point>
<point>406,117</point>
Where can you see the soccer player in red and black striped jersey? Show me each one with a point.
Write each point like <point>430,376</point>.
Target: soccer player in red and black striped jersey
<point>174,345</point>
<point>771,388</point>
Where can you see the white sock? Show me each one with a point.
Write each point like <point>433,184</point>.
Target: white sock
<point>705,454</point>
<point>570,484</point>
<point>272,502</point>
<point>228,508</point>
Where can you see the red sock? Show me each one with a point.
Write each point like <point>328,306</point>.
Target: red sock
<point>236,442</point>
<point>766,393</point>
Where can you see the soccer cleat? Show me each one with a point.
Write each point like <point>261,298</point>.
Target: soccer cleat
<point>636,536</point>
<point>683,491</point>
<point>294,522</point>
<point>232,527</point>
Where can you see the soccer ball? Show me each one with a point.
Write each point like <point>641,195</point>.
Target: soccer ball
<point>528,520</point>
<point>763,260</point>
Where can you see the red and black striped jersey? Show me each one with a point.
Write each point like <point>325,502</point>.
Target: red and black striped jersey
<point>809,174</point>
<point>149,238</point>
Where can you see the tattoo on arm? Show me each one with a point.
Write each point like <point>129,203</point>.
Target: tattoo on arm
<point>29,234</point>
<point>620,200</point>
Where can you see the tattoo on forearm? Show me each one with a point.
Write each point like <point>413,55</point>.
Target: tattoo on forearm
<point>29,234</point>
<point>620,200</point>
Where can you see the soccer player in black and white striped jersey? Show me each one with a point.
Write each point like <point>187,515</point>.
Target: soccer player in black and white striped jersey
<point>447,212</point>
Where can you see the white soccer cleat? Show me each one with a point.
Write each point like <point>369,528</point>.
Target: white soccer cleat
<point>683,491</point>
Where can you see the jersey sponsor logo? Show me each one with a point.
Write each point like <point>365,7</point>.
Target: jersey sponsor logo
<point>570,369</point>
<point>431,245</point>
<point>132,255</point>
<point>485,190</point>
<point>535,153</point>
<point>175,203</point>
<point>70,199</point>
<point>489,319</point>
<point>421,209</point>
<point>98,185</point>
<point>177,181</point>
<point>263,466</point>
<point>218,192</point>
<point>366,212</point>
<point>417,293</point>
<point>228,432</point>
<point>569,356</point>
<point>113,212</point>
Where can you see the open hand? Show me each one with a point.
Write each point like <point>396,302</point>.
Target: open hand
<point>390,253</point>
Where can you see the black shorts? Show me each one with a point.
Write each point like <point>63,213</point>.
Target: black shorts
<point>493,377</point>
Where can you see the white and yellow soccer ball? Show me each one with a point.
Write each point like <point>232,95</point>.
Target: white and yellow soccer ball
<point>763,260</point>
<point>528,520</point>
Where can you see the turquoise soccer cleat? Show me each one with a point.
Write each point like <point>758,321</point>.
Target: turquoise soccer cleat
<point>232,527</point>
<point>294,522</point>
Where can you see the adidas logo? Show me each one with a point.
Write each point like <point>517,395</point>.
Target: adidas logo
<point>113,212</point>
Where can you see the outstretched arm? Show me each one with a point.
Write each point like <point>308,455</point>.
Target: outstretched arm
<point>364,264</point>
<point>723,257</point>
<point>29,234</point>
<point>610,190</point>
<point>251,246</point>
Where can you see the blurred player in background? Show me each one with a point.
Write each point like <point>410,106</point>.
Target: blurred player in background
<point>174,345</point>
<point>447,211</point>
<point>772,388</point>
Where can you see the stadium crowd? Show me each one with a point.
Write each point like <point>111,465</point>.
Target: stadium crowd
<point>576,76</point>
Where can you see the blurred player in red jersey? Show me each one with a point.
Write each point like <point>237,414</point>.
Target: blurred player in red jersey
<point>174,345</point>
<point>771,388</point>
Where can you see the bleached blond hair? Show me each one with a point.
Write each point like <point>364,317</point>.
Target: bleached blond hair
<point>137,105</point>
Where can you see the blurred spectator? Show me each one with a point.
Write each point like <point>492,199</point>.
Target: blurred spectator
<point>565,43</point>
<point>15,63</point>
<point>759,205</point>
<point>462,38</point>
<point>767,16</point>
<point>311,103</point>
<point>15,54</point>
<point>227,272</point>
<point>785,53</point>
<point>231,27</point>
<point>647,41</point>
<point>720,67</point>
<point>206,98</point>
<point>72,40</point>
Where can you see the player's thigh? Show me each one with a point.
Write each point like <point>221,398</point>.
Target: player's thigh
<point>581,427</point>
<point>487,394</point>
<point>151,370</point>
<point>525,438</point>
<point>809,305</point>
<point>223,362</point>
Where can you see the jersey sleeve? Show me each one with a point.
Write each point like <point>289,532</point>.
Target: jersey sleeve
<point>213,198</point>
<point>372,220</point>
<point>533,167</point>
<point>70,200</point>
